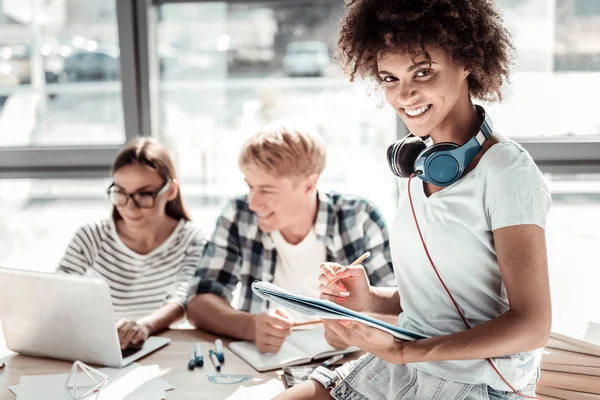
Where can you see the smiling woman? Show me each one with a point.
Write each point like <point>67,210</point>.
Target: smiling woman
<point>485,310</point>
<point>148,250</point>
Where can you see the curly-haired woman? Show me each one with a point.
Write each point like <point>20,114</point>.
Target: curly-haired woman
<point>478,222</point>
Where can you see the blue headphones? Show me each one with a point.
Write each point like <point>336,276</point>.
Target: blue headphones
<point>440,164</point>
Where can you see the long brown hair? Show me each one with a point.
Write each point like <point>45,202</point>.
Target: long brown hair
<point>150,153</point>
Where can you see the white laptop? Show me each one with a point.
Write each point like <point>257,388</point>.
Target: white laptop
<point>64,317</point>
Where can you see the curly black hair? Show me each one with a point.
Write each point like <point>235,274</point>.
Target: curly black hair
<point>470,31</point>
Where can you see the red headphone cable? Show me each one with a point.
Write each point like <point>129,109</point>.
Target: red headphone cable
<point>489,360</point>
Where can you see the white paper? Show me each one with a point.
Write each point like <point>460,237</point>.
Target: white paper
<point>120,387</point>
<point>157,384</point>
<point>130,383</point>
<point>47,386</point>
<point>266,390</point>
<point>147,396</point>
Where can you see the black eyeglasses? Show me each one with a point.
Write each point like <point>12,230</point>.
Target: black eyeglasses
<point>141,199</point>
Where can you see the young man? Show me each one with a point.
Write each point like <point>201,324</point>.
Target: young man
<point>281,232</point>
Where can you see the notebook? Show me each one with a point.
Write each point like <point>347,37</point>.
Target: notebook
<point>565,394</point>
<point>555,356</point>
<point>579,332</point>
<point>300,347</point>
<point>572,369</point>
<point>554,343</point>
<point>325,309</point>
<point>566,381</point>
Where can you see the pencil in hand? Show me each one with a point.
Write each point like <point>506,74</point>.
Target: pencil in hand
<point>316,321</point>
<point>355,262</point>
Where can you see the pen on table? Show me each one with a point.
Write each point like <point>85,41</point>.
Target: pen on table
<point>214,359</point>
<point>219,350</point>
<point>192,361</point>
<point>355,262</point>
<point>199,361</point>
<point>329,362</point>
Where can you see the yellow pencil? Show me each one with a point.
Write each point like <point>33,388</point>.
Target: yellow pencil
<point>316,321</point>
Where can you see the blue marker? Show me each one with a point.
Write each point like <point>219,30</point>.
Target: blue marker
<point>192,361</point>
<point>219,348</point>
<point>199,358</point>
<point>214,359</point>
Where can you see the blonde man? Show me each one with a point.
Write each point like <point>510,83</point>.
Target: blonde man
<point>281,232</point>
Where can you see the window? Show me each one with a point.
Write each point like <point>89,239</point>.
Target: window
<point>585,8</point>
<point>572,239</point>
<point>59,74</point>
<point>557,64</point>
<point>38,218</point>
<point>235,67</point>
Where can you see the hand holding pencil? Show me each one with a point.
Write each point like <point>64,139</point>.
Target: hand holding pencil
<point>346,285</point>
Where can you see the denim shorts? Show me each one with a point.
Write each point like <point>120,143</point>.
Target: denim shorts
<point>370,378</point>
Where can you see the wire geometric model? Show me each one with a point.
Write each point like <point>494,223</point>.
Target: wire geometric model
<point>97,377</point>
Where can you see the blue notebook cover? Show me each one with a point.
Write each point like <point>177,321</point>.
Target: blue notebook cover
<point>325,309</point>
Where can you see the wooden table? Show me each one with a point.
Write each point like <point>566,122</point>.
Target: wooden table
<point>171,359</point>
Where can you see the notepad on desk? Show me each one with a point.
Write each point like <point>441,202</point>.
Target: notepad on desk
<point>300,347</point>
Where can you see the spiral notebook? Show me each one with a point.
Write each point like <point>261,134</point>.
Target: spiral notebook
<point>325,309</point>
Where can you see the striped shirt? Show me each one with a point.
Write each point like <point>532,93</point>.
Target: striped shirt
<point>139,283</point>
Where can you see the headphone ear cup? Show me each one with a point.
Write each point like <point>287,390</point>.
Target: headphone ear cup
<point>403,153</point>
<point>438,165</point>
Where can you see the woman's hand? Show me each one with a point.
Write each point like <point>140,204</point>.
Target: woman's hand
<point>372,340</point>
<point>131,333</point>
<point>334,339</point>
<point>347,286</point>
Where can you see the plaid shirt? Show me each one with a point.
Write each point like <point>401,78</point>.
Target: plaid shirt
<point>240,252</point>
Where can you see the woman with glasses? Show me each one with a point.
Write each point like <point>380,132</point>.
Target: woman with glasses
<point>148,250</point>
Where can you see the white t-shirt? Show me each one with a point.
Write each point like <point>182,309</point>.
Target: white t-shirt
<point>298,266</point>
<point>506,188</point>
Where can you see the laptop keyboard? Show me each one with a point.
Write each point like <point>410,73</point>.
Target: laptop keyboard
<point>130,351</point>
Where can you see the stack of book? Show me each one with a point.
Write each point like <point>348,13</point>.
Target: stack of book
<point>570,368</point>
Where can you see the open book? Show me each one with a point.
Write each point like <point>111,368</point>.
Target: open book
<point>300,347</point>
<point>325,309</point>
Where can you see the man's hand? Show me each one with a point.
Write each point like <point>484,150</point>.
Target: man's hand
<point>272,327</point>
<point>131,333</point>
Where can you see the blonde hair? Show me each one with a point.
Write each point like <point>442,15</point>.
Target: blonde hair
<point>284,151</point>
